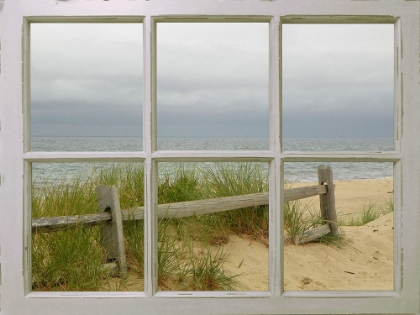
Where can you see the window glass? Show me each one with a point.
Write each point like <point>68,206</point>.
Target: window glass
<point>219,240</point>
<point>359,256</point>
<point>86,81</point>
<point>72,249</point>
<point>338,87</point>
<point>212,86</point>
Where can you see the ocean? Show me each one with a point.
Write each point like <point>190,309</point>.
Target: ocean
<point>293,171</point>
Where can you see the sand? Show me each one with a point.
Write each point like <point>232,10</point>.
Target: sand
<point>365,262</point>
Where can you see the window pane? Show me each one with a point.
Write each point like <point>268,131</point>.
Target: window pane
<point>213,245</point>
<point>360,255</point>
<point>212,86</point>
<point>338,82</point>
<point>79,256</point>
<point>86,81</point>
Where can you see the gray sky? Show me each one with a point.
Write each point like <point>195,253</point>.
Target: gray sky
<point>338,80</point>
<point>212,80</point>
<point>86,79</point>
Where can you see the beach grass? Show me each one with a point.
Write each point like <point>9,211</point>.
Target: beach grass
<point>298,218</point>
<point>369,213</point>
<point>192,251</point>
<point>72,259</point>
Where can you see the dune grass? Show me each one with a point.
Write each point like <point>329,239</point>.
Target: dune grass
<point>73,259</point>
<point>369,213</point>
<point>299,217</point>
<point>192,251</point>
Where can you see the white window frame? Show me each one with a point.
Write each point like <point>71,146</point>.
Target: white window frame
<point>15,157</point>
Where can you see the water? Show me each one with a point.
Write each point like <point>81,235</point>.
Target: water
<point>307,171</point>
<point>338,144</point>
<point>73,144</point>
<point>293,171</point>
<point>112,144</point>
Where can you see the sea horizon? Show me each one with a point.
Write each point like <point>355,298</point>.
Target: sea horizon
<point>293,171</point>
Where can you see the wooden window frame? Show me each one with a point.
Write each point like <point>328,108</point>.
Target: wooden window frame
<point>16,157</point>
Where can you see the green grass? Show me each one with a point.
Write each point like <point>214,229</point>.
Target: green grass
<point>204,272</point>
<point>298,218</point>
<point>369,213</point>
<point>192,251</point>
<point>73,259</point>
<point>239,179</point>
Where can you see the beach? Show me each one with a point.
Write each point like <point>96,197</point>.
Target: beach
<point>363,262</point>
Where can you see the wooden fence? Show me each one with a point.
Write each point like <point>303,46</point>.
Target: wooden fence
<point>111,216</point>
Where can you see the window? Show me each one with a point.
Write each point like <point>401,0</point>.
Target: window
<point>111,91</point>
<point>219,67</point>
<point>338,95</point>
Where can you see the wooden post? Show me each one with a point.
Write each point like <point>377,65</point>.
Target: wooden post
<point>112,232</point>
<point>327,201</point>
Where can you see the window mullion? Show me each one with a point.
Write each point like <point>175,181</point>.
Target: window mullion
<point>275,229</point>
<point>149,139</point>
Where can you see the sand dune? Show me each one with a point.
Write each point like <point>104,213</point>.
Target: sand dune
<point>365,262</point>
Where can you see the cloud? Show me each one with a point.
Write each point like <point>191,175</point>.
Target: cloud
<point>212,80</point>
<point>69,118</point>
<point>236,120</point>
<point>86,79</point>
<point>337,80</point>
<point>348,124</point>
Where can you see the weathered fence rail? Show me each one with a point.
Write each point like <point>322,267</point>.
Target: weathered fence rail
<point>176,210</point>
<point>111,216</point>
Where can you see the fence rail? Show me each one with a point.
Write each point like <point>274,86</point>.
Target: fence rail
<point>175,210</point>
<point>111,216</point>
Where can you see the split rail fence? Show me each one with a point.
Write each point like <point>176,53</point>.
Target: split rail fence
<point>111,216</point>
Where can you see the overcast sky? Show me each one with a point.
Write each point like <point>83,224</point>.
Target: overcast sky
<point>86,79</point>
<point>212,80</point>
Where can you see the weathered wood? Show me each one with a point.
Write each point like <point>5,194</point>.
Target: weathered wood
<point>312,234</point>
<point>199,207</point>
<point>54,224</point>
<point>112,232</point>
<point>327,201</point>
<point>178,210</point>
<point>304,192</point>
<point>214,205</point>
<point>112,216</point>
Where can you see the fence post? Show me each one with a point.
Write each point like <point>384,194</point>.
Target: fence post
<point>327,201</point>
<point>112,232</point>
